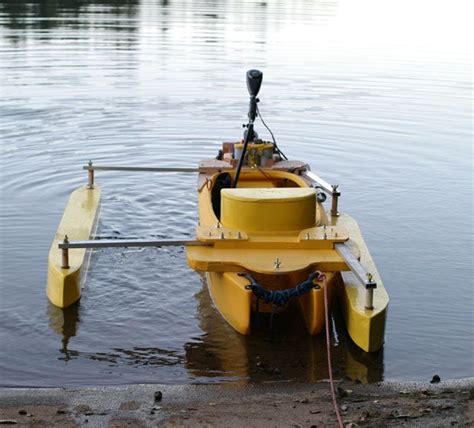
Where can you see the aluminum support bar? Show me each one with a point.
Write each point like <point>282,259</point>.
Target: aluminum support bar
<point>139,168</point>
<point>117,243</point>
<point>319,181</point>
<point>326,187</point>
<point>364,277</point>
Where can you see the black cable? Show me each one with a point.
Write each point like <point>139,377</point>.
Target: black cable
<point>271,133</point>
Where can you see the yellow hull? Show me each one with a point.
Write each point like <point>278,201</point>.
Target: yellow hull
<point>366,327</point>
<point>229,287</point>
<point>300,252</point>
<point>235,303</point>
<point>312,305</point>
<point>78,223</point>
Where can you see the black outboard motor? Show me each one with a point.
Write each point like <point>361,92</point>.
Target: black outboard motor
<point>254,81</point>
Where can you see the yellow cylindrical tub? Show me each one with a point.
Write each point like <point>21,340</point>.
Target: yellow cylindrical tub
<point>268,209</point>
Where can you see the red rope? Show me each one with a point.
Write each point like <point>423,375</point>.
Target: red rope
<point>328,347</point>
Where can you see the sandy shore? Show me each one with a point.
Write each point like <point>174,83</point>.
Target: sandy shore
<point>448,403</point>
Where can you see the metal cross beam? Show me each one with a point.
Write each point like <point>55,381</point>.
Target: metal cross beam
<point>139,168</point>
<point>65,245</point>
<point>117,243</point>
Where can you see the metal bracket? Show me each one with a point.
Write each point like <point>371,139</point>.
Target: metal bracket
<point>364,277</point>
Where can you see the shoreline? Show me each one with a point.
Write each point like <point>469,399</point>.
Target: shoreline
<point>447,403</point>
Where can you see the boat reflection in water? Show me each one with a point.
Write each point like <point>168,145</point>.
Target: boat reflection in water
<point>64,322</point>
<point>290,353</point>
<point>222,354</point>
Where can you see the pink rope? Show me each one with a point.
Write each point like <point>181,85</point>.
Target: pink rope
<point>328,347</point>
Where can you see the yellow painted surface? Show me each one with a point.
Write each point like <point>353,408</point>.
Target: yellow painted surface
<point>269,195</point>
<point>319,238</point>
<point>312,304</point>
<point>217,233</point>
<point>297,251</point>
<point>268,209</point>
<point>251,178</point>
<point>231,298</point>
<point>262,260</point>
<point>366,327</point>
<point>78,222</point>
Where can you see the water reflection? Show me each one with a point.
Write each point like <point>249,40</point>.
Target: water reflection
<point>289,354</point>
<point>64,322</point>
<point>222,354</point>
<point>27,14</point>
<point>48,15</point>
<point>128,15</point>
<point>69,93</point>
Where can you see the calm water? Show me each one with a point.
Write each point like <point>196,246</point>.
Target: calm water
<point>376,96</point>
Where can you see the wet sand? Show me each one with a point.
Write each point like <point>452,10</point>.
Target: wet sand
<point>447,403</point>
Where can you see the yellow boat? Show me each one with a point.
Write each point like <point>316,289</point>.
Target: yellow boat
<point>264,238</point>
<point>273,227</point>
<point>273,241</point>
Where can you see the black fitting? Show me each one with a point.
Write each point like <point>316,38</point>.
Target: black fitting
<point>321,197</point>
<point>370,284</point>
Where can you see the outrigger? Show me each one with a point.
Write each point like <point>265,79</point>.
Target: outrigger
<point>263,238</point>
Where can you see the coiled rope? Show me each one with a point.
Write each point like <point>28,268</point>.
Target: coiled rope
<point>280,297</point>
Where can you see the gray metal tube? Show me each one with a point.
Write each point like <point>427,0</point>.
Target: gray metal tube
<point>65,254</point>
<point>118,243</point>
<point>139,168</point>
<point>369,298</point>
<point>311,176</point>
<point>334,201</point>
<point>90,180</point>
<point>90,175</point>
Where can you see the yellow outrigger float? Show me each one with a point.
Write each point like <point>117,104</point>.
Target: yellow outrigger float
<point>263,238</point>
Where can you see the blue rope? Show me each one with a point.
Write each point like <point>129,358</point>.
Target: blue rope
<point>280,297</point>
